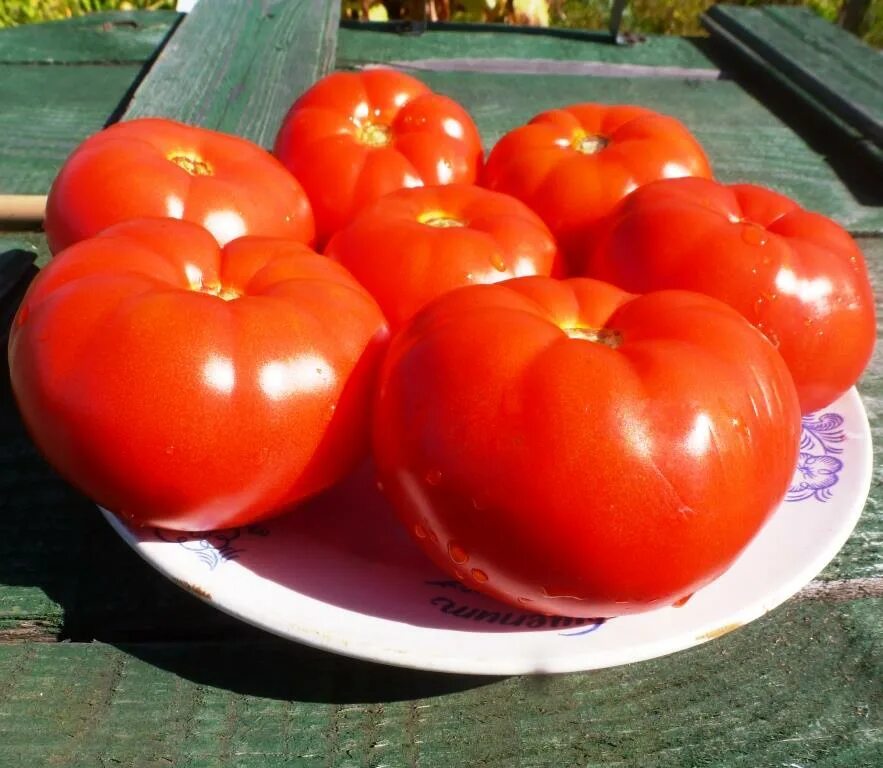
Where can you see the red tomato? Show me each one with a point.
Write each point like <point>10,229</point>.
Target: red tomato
<point>573,165</point>
<point>189,387</point>
<point>797,276</point>
<point>576,450</point>
<point>354,137</point>
<point>155,167</point>
<point>416,244</point>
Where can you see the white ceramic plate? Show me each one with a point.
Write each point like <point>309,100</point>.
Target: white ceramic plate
<point>342,576</point>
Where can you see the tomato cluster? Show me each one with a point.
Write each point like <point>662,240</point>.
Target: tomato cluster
<point>580,367</point>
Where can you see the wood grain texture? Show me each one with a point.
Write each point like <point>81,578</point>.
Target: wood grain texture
<point>47,113</point>
<point>744,140</point>
<point>798,687</point>
<point>365,46</point>
<point>240,70</point>
<point>830,64</point>
<point>833,137</point>
<point>98,38</point>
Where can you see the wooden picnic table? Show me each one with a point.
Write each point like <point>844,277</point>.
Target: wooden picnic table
<point>104,662</point>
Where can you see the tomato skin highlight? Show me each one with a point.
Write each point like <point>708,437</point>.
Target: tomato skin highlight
<point>191,387</point>
<point>413,245</point>
<point>153,167</point>
<point>796,275</point>
<point>356,136</point>
<point>572,165</point>
<point>551,444</point>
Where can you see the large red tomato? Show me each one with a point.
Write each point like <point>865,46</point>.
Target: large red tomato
<point>577,450</point>
<point>415,244</point>
<point>190,387</point>
<point>353,137</point>
<point>155,167</point>
<point>797,276</point>
<point>573,165</point>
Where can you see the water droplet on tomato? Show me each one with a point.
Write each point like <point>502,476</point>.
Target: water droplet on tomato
<point>752,234</point>
<point>478,504</point>
<point>457,553</point>
<point>479,575</point>
<point>771,335</point>
<point>524,600</point>
<point>380,486</point>
<point>434,476</point>
<point>419,531</point>
<point>682,601</point>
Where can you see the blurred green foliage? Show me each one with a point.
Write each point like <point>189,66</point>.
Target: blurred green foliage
<point>680,17</point>
<point>673,18</point>
<point>14,12</point>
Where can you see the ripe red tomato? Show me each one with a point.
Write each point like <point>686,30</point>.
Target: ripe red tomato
<point>156,167</point>
<point>797,276</point>
<point>576,450</point>
<point>189,387</point>
<point>573,165</point>
<point>354,137</point>
<point>416,244</point>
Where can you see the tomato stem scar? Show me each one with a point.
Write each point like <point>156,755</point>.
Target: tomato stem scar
<point>227,294</point>
<point>606,336</point>
<point>375,134</point>
<point>588,145</point>
<point>439,219</point>
<point>194,165</point>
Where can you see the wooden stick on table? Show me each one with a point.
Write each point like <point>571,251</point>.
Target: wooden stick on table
<point>22,208</point>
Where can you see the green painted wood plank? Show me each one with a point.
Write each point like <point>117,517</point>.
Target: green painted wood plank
<point>746,142</point>
<point>240,70</point>
<point>64,571</point>
<point>837,139</point>
<point>827,62</point>
<point>798,687</point>
<point>47,111</point>
<point>367,46</point>
<point>118,37</point>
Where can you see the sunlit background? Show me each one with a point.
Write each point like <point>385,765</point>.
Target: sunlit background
<point>864,17</point>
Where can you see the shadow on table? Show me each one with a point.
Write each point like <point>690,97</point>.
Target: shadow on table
<point>854,164</point>
<point>279,669</point>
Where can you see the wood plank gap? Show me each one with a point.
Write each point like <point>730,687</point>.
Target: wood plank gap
<point>862,117</point>
<point>28,632</point>
<point>239,71</point>
<point>515,66</point>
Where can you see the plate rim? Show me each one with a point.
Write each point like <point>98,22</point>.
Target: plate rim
<point>587,660</point>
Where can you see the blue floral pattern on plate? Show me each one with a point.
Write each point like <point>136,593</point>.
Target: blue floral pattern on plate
<point>818,466</point>
<point>212,547</point>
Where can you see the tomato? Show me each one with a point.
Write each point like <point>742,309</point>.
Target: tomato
<point>354,137</point>
<point>573,165</point>
<point>796,275</point>
<point>416,244</point>
<point>573,449</point>
<point>189,387</point>
<point>154,168</point>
